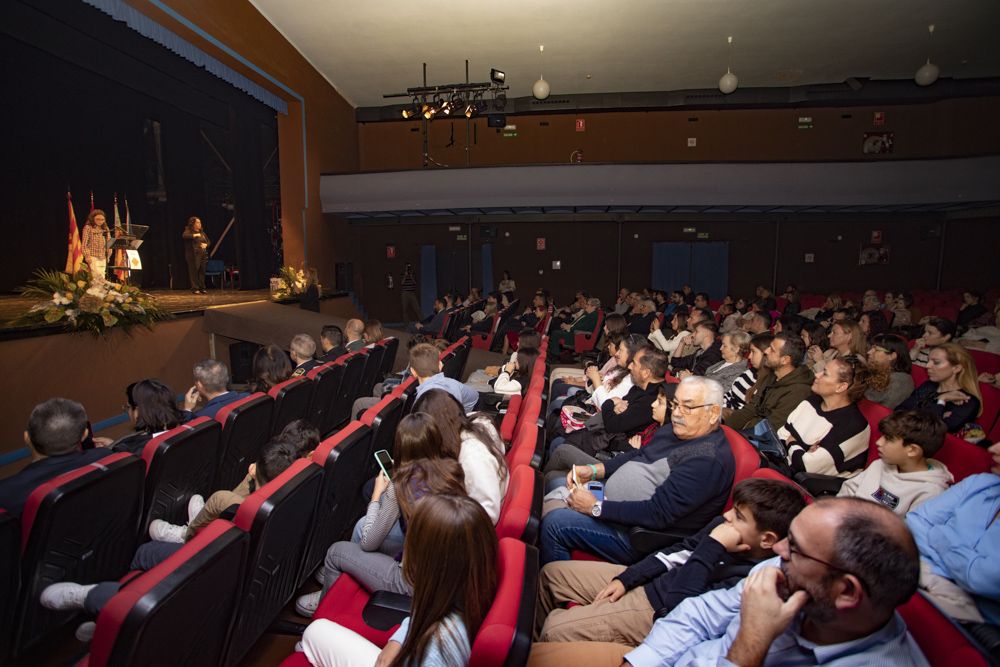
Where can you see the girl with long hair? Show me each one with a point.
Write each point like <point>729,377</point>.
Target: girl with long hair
<point>472,441</point>
<point>422,467</point>
<point>151,407</point>
<point>270,366</point>
<point>450,565</point>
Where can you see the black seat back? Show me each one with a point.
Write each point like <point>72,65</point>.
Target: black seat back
<point>80,526</point>
<point>391,345</point>
<point>354,366</point>
<point>10,577</point>
<point>179,464</point>
<point>383,418</point>
<point>246,426</point>
<point>291,401</point>
<point>326,383</point>
<point>373,363</point>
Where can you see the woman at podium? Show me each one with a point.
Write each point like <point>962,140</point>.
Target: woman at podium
<point>196,253</point>
<point>95,237</point>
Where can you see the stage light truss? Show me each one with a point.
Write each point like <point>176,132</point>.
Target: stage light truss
<point>453,99</point>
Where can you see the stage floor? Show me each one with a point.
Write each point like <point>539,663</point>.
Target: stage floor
<point>175,301</point>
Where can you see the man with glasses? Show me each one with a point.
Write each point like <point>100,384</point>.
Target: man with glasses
<point>679,481</point>
<point>829,597</point>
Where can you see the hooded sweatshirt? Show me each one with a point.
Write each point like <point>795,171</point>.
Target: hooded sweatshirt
<point>899,491</point>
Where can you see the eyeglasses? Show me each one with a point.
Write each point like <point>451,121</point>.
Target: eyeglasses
<point>680,408</point>
<point>793,548</point>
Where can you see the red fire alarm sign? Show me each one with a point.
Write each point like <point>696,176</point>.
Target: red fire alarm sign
<point>581,125</point>
<point>540,243</point>
<point>390,252</point>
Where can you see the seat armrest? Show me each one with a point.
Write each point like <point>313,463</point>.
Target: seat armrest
<point>385,610</point>
<point>646,541</point>
<point>820,485</point>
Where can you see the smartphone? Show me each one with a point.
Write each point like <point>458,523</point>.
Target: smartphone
<point>384,461</point>
<point>597,488</point>
<point>576,478</point>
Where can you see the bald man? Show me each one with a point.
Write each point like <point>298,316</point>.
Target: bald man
<point>829,596</point>
<point>354,330</point>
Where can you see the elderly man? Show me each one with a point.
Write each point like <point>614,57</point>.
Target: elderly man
<point>679,481</point>
<point>642,316</point>
<point>211,384</point>
<point>355,331</point>
<point>584,321</point>
<point>303,350</point>
<point>829,597</point>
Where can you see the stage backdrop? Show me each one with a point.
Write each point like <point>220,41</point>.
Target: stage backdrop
<point>90,104</point>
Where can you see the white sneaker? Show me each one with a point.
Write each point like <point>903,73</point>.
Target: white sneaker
<point>85,631</point>
<point>306,605</point>
<point>194,507</point>
<point>161,531</point>
<point>320,576</point>
<point>65,595</point>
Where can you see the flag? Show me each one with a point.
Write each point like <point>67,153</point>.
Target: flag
<point>74,256</point>
<point>120,258</point>
<point>128,219</point>
<point>91,200</point>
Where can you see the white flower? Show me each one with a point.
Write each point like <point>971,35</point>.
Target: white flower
<point>98,291</point>
<point>60,300</point>
<point>71,314</point>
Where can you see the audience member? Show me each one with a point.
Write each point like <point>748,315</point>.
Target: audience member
<point>766,299</point>
<point>675,337</point>
<point>707,351</point>
<point>778,392</point>
<point>889,360</point>
<point>473,441</point>
<point>905,474</point>
<point>826,433</point>
<point>302,350</point>
<point>759,322</point>
<point>211,384</point>
<point>847,340</point>
<point>583,322</point>
<point>55,432</point>
<point>958,536</point>
<point>729,318</point>
<point>817,341</point>
<point>789,324</point>
<point>355,332</point>
<point>830,596</point>
<point>873,323</point>
<point>937,331</point>
<point>642,315</point>
<point>983,337</point>
<point>735,398</point>
<point>425,365</point>
<point>734,350</point>
<point>515,375</point>
<point>952,389</point>
<point>331,340</point>
<point>678,481</point>
<point>619,604</point>
<point>970,310</point>
<point>373,332</point>
<point>422,468</point>
<point>507,284</point>
<point>151,408</point>
<point>448,535</point>
<point>792,304</point>
<point>271,366</point>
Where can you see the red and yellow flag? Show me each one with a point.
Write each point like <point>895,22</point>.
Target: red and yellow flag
<point>74,256</point>
<point>120,258</point>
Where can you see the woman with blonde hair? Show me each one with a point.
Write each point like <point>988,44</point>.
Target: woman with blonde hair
<point>373,332</point>
<point>952,389</point>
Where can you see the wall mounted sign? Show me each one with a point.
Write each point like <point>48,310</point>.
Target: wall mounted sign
<point>540,243</point>
<point>581,125</point>
<point>390,252</point>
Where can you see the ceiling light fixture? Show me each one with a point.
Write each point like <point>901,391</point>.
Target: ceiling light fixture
<point>541,88</point>
<point>928,72</point>
<point>430,101</point>
<point>729,81</point>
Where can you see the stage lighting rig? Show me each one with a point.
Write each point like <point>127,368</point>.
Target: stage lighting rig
<point>431,100</point>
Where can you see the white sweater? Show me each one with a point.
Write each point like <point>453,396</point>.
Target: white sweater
<point>899,491</point>
<point>482,472</point>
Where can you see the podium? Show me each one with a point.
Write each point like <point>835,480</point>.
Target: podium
<point>129,242</point>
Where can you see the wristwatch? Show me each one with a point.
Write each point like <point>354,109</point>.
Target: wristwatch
<point>595,511</point>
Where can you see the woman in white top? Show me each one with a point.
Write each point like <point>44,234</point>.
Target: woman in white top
<point>507,285</point>
<point>678,325</point>
<point>515,375</point>
<point>472,440</point>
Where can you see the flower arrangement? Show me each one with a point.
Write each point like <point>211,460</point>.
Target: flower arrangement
<point>288,283</point>
<point>80,303</point>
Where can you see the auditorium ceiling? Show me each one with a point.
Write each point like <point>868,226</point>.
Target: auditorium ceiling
<point>368,49</point>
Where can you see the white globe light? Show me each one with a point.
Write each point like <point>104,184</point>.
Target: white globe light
<point>728,82</point>
<point>927,74</point>
<point>541,89</point>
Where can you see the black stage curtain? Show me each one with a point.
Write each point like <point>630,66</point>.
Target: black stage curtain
<point>92,105</point>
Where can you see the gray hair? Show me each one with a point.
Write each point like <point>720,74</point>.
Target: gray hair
<point>741,339</point>
<point>594,301</point>
<point>711,389</point>
<point>648,303</point>
<point>303,346</point>
<point>212,374</point>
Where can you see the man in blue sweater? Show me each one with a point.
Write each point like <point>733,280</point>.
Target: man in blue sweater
<point>679,481</point>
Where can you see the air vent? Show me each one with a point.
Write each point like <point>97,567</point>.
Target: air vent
<point>550,102</point>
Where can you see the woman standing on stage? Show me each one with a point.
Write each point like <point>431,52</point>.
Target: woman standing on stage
<point>95,238</point>
<point>196,254</point>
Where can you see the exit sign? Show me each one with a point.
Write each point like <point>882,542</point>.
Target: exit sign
<point>581,125</point>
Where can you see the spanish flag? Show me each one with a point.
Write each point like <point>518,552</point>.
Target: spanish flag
<point>74,257</point>
<point>120,257</point>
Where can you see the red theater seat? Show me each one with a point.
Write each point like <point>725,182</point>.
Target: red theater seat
<point>179,464</point>
<point>991,406</point>
<point>80,526</point>
<point>521,510</point>
<point>181,611</point>
<point>278,518</point>
<point>772,474</point>
<point>291,401</point>
<point>510,418</point>
<point>986,362</point>
<point>344,458</point>
<point>963,458</point>
<point>942,642</point>
<point>326,383</point>
<point>246,425</point>
<point>746,457</point>
<point>874,413</point>
<point>586,341</point>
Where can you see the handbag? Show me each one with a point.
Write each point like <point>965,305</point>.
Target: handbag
<point>766,441</point>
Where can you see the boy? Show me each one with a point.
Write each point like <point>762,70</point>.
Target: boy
<point>905,474</point>
<point>619,604</point>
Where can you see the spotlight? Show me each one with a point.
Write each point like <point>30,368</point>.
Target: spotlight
<point>470,110</point>
<point>429,111</point>
<point>412,110</point>
<point>496,76</point>
<point>500,101</point>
